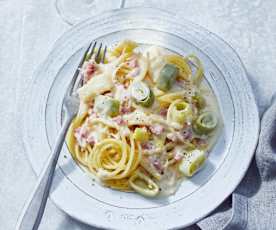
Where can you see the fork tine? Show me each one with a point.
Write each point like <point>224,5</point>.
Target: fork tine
<point>98,54</point>
<point>77,77</point>
<point>83,59</point>
<point>104,53</point>
<point>91,52</point>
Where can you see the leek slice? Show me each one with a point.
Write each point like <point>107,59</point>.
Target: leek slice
<point>167,77</point>
<point>142,94</point>
<point>181,111</point>
<point>141,134</point>
<point>106,105</point>
<point>192,162</point>
<point>205,123</point>
<point>181,63</point>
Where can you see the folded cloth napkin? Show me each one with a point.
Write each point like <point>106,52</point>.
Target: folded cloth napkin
<point>254,201</point>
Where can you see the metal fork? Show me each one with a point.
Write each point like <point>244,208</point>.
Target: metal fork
<point>33,210</point>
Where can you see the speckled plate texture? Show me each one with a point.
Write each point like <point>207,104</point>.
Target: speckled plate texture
<point>74,192</point>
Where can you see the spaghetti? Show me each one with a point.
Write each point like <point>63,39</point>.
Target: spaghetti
<point>143,117</point>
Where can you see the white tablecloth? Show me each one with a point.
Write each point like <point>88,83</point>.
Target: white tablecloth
<point>29,29</point>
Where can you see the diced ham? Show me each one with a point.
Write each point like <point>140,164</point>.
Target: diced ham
<point>133,63</point>
<point>119,120</point>
<point>83,132</point>
<point>163,112</point>
<point>90,139</point>
<point>147,145</point>
<point>156,129</point>
<point>156,163</point>
<point>178,157</point>
<point>89,70</point>
<point>187,133</point>
<point>81,135</point>
<point>125,109</point>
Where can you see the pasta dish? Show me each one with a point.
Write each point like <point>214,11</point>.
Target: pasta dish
<point>146,119</point>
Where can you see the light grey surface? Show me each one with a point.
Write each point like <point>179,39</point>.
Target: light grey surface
<point>28,31</point>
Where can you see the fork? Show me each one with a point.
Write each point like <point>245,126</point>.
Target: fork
<point>33,210</point>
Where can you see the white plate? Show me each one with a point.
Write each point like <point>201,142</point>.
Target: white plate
<point>74,192</point>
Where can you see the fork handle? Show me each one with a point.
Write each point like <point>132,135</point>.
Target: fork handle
<point>34,208</point>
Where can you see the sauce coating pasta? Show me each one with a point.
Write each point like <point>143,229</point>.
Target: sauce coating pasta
<point>146,119</point>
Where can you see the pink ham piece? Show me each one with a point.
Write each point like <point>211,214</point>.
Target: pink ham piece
<point>90,139</point>
<point>125,110</point>
<point>133,63</point>
<point>119,120</point>
<point>187,133</point>
<point>156,164</point>
<point>163,112</point>
<point>178,157</point>
<point>147,145</point>
<point>81,135</point>
<point>156,129</point>
<point>89,71</point>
